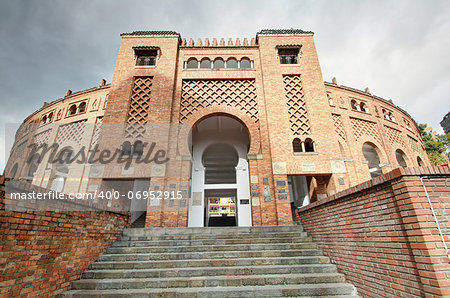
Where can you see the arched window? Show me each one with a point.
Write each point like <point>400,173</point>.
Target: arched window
<point>391,117</point>
<point>354,105</point>
<point>420,162</point>
<point>192,63</point>
<point>126,149</point>
<point>232,63</point>
<point>72,110</point>
<point>245,63</point>
<point>309,145</point>
<point>330,99</point>
<point>400,158</point>
<point>205,63</point>
<point>13,172</point>
<point>220,161</point>
<point>297,145</point>
<point>218,63</point>
<point>34,164</point>
<point>62,169</point>
<point>44,119</point>
<point>138,148</point>
<point>50,117</point>
<point>364,107</point>
<point>82,107</point>
<point>373,160</point>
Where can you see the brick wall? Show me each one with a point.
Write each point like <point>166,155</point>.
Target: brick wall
<point>382,233</point>
<point>42,252</point>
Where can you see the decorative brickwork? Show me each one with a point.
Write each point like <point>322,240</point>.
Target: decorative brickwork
<point>199,94</point>
<point>42,137</point>
<point>414,143</point>
<point>394,136</point>
<point>338,126</point>
<point>72,132</point>
<point>298,115</point>
<point>383,236</point>
<point>365,128</point>
<point>139,106</point>
<point>97,129</point>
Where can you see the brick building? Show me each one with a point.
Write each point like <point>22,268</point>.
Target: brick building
<point>250,128</point>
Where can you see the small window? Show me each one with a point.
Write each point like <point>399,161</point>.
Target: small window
<point>420,162</point>
<point>400,158</point>
<point>232,63</point>
<point>138,149</point>
<point>245,63</point>
<point>146,57</point>
<point>297,145</point>
<point>218,63</point>
<point>192,63</point>
<point>309,145</point>
<point>82,107</point>
<point>44,119</point>
<point>354,105</point>
<point>205,63</point>
<point>288,56</point>
<point>126,149</point>
<point>50,117</point>
<point>72,110</point>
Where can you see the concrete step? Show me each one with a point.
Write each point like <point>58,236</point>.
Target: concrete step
<point>210,242</point>
<point>213,236</point>
<point>210,255</point>
<point>133,232</point>
<point>209,281</point>
<point>210,263</point>
<point>205,248</point>
<point>209,271</point>
<point>216,292</point>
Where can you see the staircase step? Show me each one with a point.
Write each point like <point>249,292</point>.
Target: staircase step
<point>204,248</point>
<point>213,236</point>
<point>211,263</point>
<point>210,242</point>
<point>209,271</point>
<point>209,255</point>
<point>216,292</point>
<point>210,230</point>
<point>209,281</point>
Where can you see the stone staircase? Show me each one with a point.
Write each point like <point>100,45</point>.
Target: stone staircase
<point>275,261</point>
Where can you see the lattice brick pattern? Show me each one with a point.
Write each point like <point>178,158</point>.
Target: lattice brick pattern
<point>42,137</point>
<point>72,132</point>
<point>339,126</point>
<point>414,144</point>
<point>198,94</point>
<point>365,128</point>
<point>394,136</point>
<point>139,105</point>
<point>97,129</point>
<point>298,115</point>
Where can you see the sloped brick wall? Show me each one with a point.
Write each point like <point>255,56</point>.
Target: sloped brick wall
<point>382,233</point>
<point>42,252</point>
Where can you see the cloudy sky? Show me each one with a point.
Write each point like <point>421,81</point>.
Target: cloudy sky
<point>399,49</point>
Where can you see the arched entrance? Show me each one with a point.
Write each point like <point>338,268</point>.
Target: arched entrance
<point>220,194</point>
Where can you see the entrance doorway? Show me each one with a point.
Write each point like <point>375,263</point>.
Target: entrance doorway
<point>220,192</point>
<point>220,208</point>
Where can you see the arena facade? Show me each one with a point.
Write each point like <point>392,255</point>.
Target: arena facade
<point>250,128</point>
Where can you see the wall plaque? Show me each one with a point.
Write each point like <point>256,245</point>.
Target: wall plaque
<point>308,167</point>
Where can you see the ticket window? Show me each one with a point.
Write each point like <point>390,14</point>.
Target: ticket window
<point>221,211</point>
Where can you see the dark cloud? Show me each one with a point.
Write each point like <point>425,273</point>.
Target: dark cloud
<point>397,48</point>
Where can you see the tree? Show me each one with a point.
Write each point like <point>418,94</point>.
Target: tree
<point>437,147</point>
